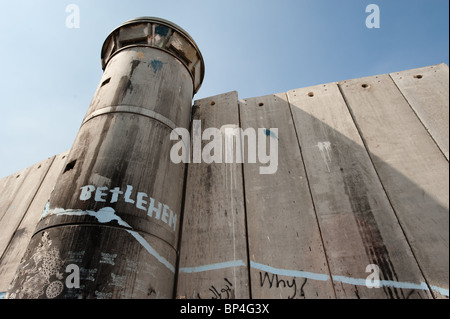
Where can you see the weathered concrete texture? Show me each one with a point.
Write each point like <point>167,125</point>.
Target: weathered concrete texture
<point>54,249</point>
<point>357,221</point>
<point>411,167</point>
<point>282,227</point>
<point>22,209</point>
<point>213,252</point>
<point>426,90</point>
<point>19,191</point>
<point>361,179</point>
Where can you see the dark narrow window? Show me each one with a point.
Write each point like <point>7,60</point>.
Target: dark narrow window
<point>125,43</point>
<point>70,166</point>
<point>106,81</point>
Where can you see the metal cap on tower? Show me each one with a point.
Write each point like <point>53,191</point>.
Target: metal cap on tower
<point>160,34</point>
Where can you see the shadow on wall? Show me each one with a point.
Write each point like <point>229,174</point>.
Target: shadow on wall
<point>359,182</point>
<point>379,188</point>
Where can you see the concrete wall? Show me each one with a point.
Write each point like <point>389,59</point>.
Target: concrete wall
<point>362,179</point>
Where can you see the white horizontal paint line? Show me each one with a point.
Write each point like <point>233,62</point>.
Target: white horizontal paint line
<point>311,275</point>
<point>383,283</point>
<point>440,290</point>
<point>289,273</point>
<point>107,214</point>
<point>104,215</point>
<point>346,280</point>
<point>228,264</point>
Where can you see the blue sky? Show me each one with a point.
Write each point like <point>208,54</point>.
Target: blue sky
<point>49,72</point>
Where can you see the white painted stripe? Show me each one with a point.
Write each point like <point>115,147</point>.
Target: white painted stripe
<point>104,215</point>
<point>108,214</point>
<point>289,273</point>
<point>228,264</point>
<point>440,290</point>
<point>151,250</point>
<point>311,275</point>
<point>383,283</point>
<point>346,280</point>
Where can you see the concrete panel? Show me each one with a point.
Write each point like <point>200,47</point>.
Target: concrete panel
<point>361,178</point>
<point>19,241</point>
<point>426,90</point>
<point>357,222</point>
<point>285,246</point>
<point>411,167</point>
<point>20,194</point>
<point>213,253</point>
<point>9,186</point>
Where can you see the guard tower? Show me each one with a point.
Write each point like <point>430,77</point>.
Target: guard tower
<point>114,214</point>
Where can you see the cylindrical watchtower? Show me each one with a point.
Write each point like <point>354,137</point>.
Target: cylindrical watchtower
<point>114,214</point>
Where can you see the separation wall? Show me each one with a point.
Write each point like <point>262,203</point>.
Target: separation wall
<point>362,179</point>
